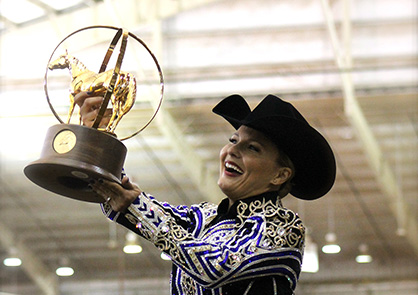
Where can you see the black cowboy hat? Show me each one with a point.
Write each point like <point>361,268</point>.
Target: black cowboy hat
<point>280,121</point>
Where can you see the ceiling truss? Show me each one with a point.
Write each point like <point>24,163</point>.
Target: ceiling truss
<point>407,222</point>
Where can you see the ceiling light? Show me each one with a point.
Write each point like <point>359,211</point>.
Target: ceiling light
<point>132,249</point>
<point>310,256</point>
<point>165,256</point>
<point>331,247</point>
<point>132,246</point>
<point>64,271</point>
<point>364,256</point>
<point>12,261</point>
<point>20,11</point>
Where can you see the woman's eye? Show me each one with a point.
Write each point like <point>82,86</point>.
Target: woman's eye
<point>232,140</point>
<point>253,148</point>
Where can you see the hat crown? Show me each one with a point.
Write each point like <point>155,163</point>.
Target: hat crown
<point>273,106</point>
<point>237,112</point>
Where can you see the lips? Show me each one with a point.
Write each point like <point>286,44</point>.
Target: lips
<point>233,168</point>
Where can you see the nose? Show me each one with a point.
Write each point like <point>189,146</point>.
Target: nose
<point>234,150</point>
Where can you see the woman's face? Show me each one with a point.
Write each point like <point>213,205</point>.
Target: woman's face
<point>249,165</point>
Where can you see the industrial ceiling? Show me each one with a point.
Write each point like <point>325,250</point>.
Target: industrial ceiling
<point>349,66</point>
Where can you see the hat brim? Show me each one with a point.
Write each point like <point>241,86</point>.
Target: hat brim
<point>309,151</point>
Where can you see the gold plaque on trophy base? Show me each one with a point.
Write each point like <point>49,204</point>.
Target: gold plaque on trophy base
<point>74,155</point>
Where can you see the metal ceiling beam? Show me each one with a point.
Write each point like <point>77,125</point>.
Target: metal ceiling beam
<point>385,176</point>
<point>195,165</point>
<point>46,280</point>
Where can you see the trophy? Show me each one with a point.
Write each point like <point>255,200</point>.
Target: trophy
<point>73,155</point>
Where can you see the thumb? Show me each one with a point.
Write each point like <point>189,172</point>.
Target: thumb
<point>127,184</point>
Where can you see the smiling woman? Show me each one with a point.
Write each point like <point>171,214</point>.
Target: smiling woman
<point>248,244</point>
<point>250,165</point>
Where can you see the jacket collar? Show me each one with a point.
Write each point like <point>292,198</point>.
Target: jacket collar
<point>243,207</point>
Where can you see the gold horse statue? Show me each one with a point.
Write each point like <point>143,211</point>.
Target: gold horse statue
<point>122,98</point>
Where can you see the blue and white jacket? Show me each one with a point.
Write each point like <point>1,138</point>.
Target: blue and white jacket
<point>254,247</point>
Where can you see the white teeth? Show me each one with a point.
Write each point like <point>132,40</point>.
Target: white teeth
<point>233,167</point>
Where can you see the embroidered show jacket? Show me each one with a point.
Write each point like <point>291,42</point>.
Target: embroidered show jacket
<point>256,245</point>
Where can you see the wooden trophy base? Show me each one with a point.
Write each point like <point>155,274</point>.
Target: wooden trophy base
<point>74,155</point>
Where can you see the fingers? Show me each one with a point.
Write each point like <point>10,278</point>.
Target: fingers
<point>119,197</point>
<point>88,117</point>
<point>89,108</point>
<point>80,97</point>
<point>106,118</point>
<point>126,183</point>
<point>106,189</point>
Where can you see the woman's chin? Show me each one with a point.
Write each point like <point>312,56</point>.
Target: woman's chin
<point>226,189</point>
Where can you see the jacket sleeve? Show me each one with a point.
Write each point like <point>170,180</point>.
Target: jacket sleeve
<point>255,249</point>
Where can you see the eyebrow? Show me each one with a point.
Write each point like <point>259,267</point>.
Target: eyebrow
<point>252,139</point>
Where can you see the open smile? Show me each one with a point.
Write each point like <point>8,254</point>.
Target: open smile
<point>233,168</point>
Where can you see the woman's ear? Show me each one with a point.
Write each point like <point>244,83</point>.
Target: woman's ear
<point>282,176</point>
